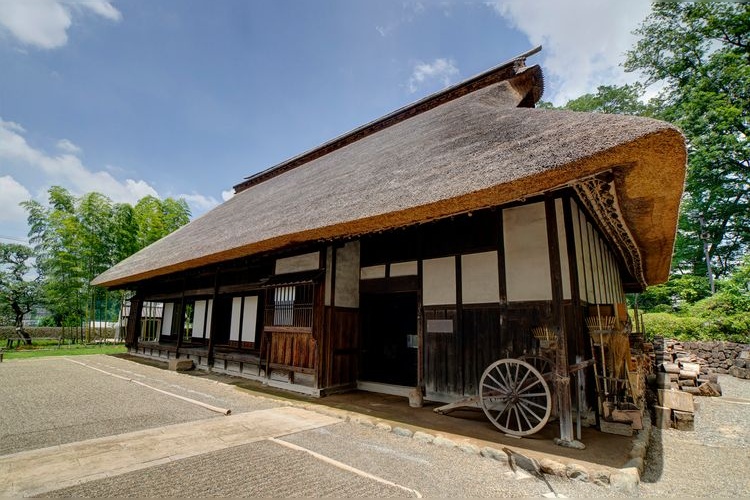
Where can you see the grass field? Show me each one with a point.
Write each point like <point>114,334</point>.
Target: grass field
<point>65,350</point>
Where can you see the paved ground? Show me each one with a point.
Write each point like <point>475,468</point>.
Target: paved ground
<point>99,426</point>
<point>102,426</point>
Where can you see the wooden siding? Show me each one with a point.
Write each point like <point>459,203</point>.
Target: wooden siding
<point>341,346</point>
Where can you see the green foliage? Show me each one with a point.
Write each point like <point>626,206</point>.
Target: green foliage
<point>722,316</point>
<point>701,51</point>
<point>76,239</point>
<point>624,100</point>
<point>19,293</point>
<point>155,218</point>
<point>679,291</point>
<point>72,350</point>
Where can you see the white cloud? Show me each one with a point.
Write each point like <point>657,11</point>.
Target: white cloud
<point>11,194</point>
<point>68,147</point>
<point>409,11</point>
<point>584,41</point>
<point>103,8</point>
<point>199,203</point>
<point>44,23</point>
<point>66,169</point>
<point>227,195</point>
<point>13,227</point>
<point>441,70</point>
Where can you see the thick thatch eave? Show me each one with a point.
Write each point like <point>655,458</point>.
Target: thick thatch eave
<point>466,154</point>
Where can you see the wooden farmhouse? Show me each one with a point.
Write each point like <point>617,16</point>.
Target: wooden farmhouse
<point>414,251</point>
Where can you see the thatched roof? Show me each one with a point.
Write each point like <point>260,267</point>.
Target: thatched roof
<point>469,153</point>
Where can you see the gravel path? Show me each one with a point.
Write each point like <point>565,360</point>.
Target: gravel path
<point>50,401</point>
<point>262,469</point>
<point>711,461</point>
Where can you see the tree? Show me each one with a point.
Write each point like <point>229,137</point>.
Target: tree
<point>156,218</point>
<point>18,293</point>
<point>701,53</point>
<point>623,100</point>
<point>76,239</point>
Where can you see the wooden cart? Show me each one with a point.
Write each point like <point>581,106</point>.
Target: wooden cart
<point>516,393</point>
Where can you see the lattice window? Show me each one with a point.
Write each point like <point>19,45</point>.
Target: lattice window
<point>290,305</point>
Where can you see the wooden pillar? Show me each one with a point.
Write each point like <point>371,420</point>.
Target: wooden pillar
<point>214,317</point>
<point>133,330</point>
<point>562,376</point>
<point>420,329</point>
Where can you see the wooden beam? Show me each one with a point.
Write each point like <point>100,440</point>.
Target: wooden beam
<point>562,378</point>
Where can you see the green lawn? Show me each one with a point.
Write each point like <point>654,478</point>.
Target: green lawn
<point>65,350</point>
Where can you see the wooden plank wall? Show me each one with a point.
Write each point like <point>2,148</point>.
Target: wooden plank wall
<point>454,362</point>
<point>341,334</point>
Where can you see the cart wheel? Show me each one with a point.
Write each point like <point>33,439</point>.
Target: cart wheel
<point>543,365</point>
<point>515,397</point>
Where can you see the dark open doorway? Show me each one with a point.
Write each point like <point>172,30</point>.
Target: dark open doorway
<point>389,338</point>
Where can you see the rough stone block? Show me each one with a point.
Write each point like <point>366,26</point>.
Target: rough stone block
<point>676,400</point>
<point>615,428</point>
<point>625,481</point>
<point>691,367</point>
<point>552,467</point>
<point>632,417</point>
<point>181,365</point>
<point>683,420</point>
<point>712,389</point>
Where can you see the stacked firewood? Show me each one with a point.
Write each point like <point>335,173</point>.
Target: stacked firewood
<point>679,376</point>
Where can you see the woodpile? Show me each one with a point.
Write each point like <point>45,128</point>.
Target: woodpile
<point>679,376</point>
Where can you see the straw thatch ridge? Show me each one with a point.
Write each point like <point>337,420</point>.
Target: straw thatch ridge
<point>523,88</point>
<point>469,153</point>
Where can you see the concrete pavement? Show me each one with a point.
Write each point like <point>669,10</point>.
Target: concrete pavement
<point>78,431</point>
<point>38,471</point>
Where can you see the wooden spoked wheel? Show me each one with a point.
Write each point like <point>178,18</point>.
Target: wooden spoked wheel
<point>515,397</point>
<point>543,365</point>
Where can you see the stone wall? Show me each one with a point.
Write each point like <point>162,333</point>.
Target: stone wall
<point>716,357</point>
<point>713,357</point>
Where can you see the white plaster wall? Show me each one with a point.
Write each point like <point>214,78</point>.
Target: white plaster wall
<point>166,324</point>
<point>582,292</point>
<point>208,317</point>
<point>199,318</point>
<point>304,262</point>
<point>347,275</point>
<point>404,269</point>
<point>479,278</point>
<point>563,244</point>
<point>249,318</point>
<point>527,267</point>
<point>439,281</point>
<point>372,272</point>
<point>588,260</point>
<point>234,328</point>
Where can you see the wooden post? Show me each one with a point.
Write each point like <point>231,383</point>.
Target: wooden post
<point>562,376</point>
<point>133,328</point>
<point>214,318</point>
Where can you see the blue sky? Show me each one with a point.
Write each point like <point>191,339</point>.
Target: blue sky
<point>187,97</point>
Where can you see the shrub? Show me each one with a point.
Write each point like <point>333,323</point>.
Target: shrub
<point>673,326</point>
